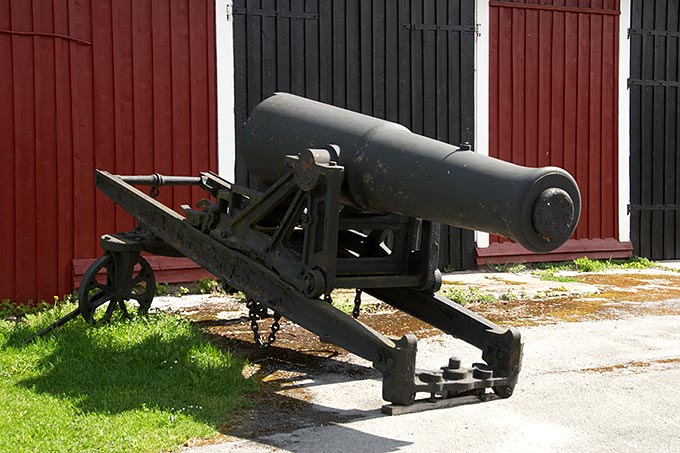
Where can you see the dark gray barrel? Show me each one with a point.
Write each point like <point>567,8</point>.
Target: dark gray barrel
<point>390,169</point>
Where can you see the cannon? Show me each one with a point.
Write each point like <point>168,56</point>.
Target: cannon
<point>344,201</point>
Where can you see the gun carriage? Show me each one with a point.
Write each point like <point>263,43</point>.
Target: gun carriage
<point>348,201</point>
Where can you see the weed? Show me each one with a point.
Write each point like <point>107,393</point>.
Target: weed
<point>162,289</point>
<point>511,268</point>
<point>555,266</point>
<point>465,296</point>
<point>344,303</point>
<point>634,262</point>
<point>9,309</point>
<point>551,275</point>
<point>585,264</point>
<point>241,297</point>
<point>511,294</point>
<point>181,291</point>
<point>639,262</point>
<point>209,286</point>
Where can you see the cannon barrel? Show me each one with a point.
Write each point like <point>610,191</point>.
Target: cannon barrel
<point>390,169</point>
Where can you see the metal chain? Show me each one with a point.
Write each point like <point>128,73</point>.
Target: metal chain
<point>357,304</point>
<point>256,312</point>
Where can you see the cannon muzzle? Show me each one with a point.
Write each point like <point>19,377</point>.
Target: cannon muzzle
<point>390,169</point>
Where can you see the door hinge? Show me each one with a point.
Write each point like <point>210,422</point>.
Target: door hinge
<point>229,11</point>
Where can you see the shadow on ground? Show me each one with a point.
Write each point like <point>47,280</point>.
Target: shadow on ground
<point>284,402</point>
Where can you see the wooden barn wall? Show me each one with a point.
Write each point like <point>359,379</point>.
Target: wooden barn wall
<point>553,97</point>
<point>127,86</point>
<point>655,120</point>
<point>407,61</point>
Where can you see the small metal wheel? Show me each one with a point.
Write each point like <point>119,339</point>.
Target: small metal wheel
<point>105,286</point>
<point>504,391</point>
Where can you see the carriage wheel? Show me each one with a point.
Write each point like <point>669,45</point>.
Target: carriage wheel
<point>111,281</point>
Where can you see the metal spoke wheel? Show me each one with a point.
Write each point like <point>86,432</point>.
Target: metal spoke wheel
<point>111,281</point>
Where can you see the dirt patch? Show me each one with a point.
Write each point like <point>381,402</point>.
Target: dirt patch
<point>619,294</point>
<point>633,366</point>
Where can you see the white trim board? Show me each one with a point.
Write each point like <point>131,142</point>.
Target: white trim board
<point>224,55</point>
<point>482,91</point>
<point>624,122</point>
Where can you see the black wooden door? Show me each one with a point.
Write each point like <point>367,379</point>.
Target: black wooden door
<point>408,61</point>
<point>654,154</point>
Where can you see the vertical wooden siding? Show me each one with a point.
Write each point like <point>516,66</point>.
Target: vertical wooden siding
<point>655,150</point>
<point>553,98</point>
<point>126,86</point>
<point>407,61</point>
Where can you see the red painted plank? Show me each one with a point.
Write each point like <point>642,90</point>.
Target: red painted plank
<point>609,128</point>
<point>24,146</point>
<point>45,151</point>
<point>505,108</point>
<point>531,88</point>
<point>181,96</point>
<point>162,96</point>
<point>64,147</point>
<point>557,95</point>
<point>7,158</point>
<point>506,94</point>
<point>583,119</point>
<point>545,90</point>
<point>614,156</point>
<point>84,128</point>
<point>212,87</point>
<point>595,133</point>
<point>570,95</point>
<point>104,123</point>
<point>494,90</point>
<point>121,26</point>
<point>142,87</point>
<point>518,85</point>
<point>200,152</point>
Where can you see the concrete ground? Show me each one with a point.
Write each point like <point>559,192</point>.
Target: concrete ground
<point>605,379</point>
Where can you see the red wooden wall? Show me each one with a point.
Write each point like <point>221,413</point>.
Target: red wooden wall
<point>126,86</point>
<point>553,101</point>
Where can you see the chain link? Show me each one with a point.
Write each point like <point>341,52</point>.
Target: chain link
<point>256,312</point>
<point>357,304</point>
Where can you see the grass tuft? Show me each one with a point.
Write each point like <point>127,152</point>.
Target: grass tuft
<point>468,295</point>
<point>552,275</point>
<point>144,385</point>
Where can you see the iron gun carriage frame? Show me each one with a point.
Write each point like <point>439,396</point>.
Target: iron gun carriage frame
<point>315,228</point>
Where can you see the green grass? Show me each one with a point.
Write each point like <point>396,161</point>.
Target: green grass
<point>549,271</point>
<point>140,386</point>
<point>586,264</point>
